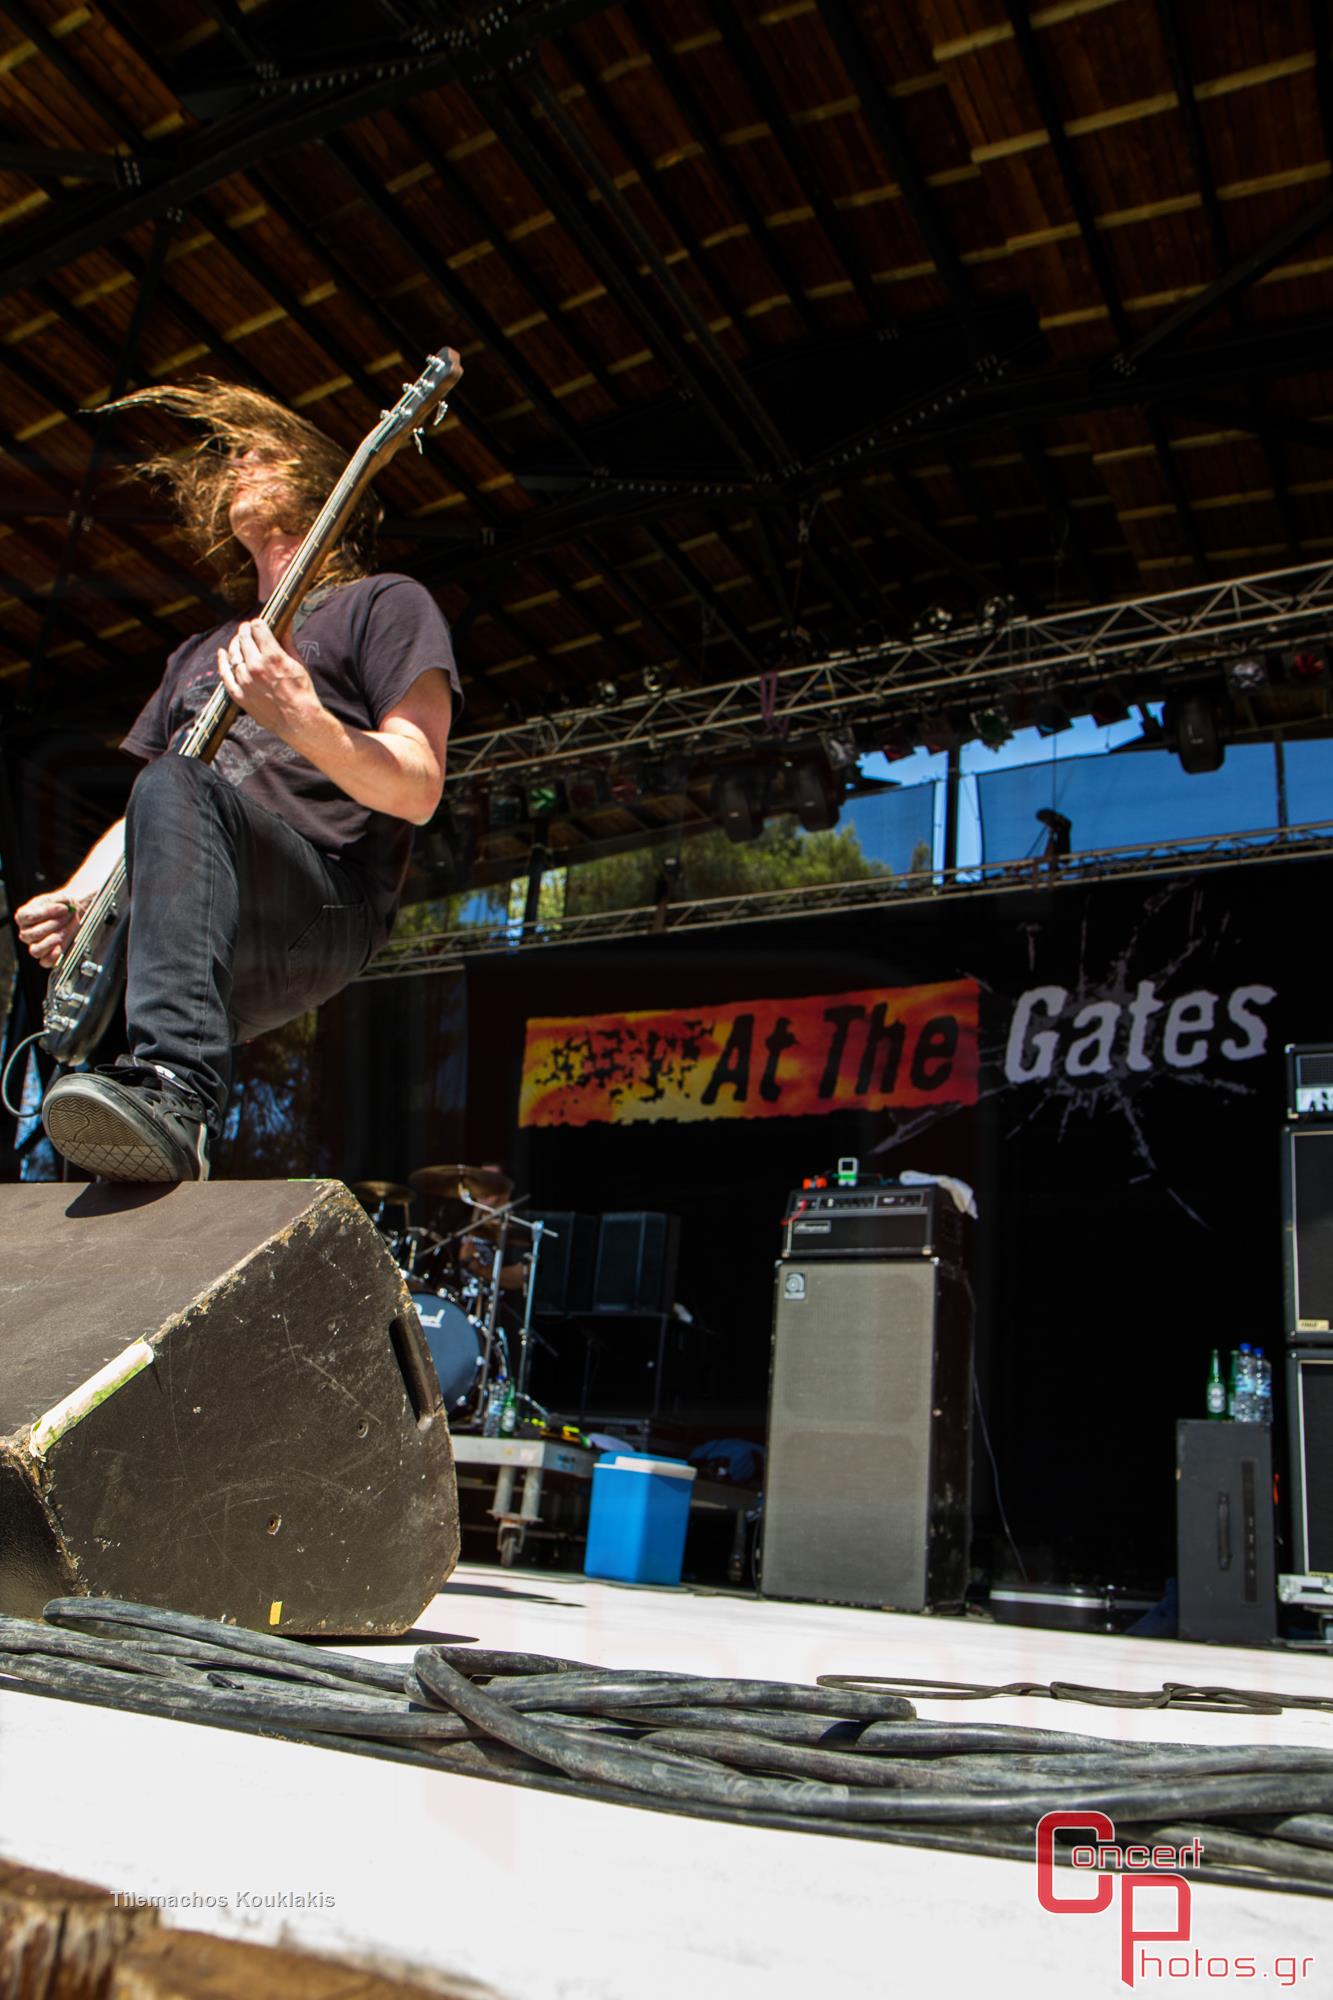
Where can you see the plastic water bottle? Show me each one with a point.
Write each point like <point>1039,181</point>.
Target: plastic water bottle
<point>1263,1396</point>
<point>495,1397</point>
<point>1245,1395</point>
<point>1240,1357</point>
<point>1216,1404</point>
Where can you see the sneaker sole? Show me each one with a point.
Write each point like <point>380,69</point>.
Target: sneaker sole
<point>105,1142</point>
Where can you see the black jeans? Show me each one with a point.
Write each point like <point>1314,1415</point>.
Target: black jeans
<point>237,924</point>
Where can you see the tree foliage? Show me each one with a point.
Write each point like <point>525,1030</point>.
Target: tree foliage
<point>782,857</point>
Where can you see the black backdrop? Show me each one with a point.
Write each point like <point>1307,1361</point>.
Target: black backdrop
<point>1129,1214</point>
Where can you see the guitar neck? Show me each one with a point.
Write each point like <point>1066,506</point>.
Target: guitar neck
<point>205,735</point>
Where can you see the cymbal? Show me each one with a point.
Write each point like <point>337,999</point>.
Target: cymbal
<point>383,1191</point>
<point>479,1185</point>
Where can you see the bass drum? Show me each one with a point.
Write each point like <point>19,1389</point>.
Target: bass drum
<point>456,1346</point>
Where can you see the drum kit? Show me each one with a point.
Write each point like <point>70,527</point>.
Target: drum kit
<point>472,1274</point>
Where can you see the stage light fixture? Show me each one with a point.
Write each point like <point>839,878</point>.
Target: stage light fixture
<point>736,801</point>
<point>625,783</point>
<point>814,793</point>
<point>932,623</point>
<point>840,748</point>
<point>544,797</point>
<point>585,791</point>
<point>1193,732</point>
<point>504,810</point>
<point>607,692</point>
<point>1050,716</point>
<point>1310,664</point>
<point>656,680</point>
<point>995,613</point>
<point>1247,673</point>
<point>447,848</point>
<point>939,732</point>
<point>992,726</point>
<point>1107,705</point>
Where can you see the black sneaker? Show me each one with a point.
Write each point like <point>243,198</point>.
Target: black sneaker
<point>132,1123</point>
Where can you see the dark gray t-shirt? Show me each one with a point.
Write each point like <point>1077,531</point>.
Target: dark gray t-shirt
<point>363,645</point>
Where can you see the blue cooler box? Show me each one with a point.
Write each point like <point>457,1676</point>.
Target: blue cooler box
<point>636,1524</point>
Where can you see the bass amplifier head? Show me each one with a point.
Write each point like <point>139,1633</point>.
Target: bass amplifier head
<point>1310,1080</point>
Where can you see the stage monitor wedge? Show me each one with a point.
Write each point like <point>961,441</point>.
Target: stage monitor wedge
<point>217,1397</point>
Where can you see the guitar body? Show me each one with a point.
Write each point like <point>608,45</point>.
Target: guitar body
<point>84,990</point>
<point>80,1003</point>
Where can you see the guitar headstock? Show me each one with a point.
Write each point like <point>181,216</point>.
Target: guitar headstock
<point>421,402</point>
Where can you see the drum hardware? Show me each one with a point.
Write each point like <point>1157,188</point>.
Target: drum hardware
<point>377,1196</point>
<point>458,1280</point>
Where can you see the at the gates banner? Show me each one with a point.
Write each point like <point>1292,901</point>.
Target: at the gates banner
<point>909,1045</point>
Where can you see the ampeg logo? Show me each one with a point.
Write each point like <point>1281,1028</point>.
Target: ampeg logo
<point>793,1285</point>
<point>1145,1873</point>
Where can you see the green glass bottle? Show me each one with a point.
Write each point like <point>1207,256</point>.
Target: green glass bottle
<point>1217,1390</point>
<point>509,1412</point>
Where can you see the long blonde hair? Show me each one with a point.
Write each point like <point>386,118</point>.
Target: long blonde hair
<point>200,478</point>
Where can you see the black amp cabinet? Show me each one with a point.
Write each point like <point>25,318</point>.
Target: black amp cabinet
<point>1226,1542</point>
<point>1310,1430</point>
<point>1307,1233</point>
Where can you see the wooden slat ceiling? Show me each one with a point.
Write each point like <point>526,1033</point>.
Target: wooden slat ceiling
<point>778,319</point>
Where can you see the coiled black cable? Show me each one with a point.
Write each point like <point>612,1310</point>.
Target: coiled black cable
<point>853,1760</point>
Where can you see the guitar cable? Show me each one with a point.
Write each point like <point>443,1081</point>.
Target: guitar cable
<point>16,1110</point>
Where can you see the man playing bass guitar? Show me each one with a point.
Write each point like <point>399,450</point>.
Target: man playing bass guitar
<point>261,882</point>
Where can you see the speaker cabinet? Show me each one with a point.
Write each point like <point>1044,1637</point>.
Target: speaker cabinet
<point>636,1264</point>
<point>1226,1537</point>
<point>1307,1235</point>
<point>1310,1417</point>
<point>868,1490</point>
<point>217,1397</point>
<point>567,1263</point>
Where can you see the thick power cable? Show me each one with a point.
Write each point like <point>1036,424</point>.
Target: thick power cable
<point>848,1757</point>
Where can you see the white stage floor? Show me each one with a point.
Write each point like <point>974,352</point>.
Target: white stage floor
<point>543,1897</point>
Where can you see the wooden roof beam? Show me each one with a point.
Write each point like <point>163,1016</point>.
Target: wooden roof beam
<point>1065,530</point>
<point>391,326</point>
<point>590,363</point>
<point>514,125</point>
<point>144,297</point>
<point>669,67</point>
<point>882,117</point>
<point>48,163</point>
<point>428,258</point>
<point>1179,497</point>
<point>1241,275</point>
<point>974,497</point>
<point>681,566</point>
<point>74,74</point>
<point>619,212</point>
<point>1034,66</point>
<point>907,521</point>
<point>654,184</point>
<point>774,112</point>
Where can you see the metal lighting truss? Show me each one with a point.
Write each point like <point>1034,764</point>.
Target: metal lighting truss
<point>1180,630</point>
<point>445,949</point>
